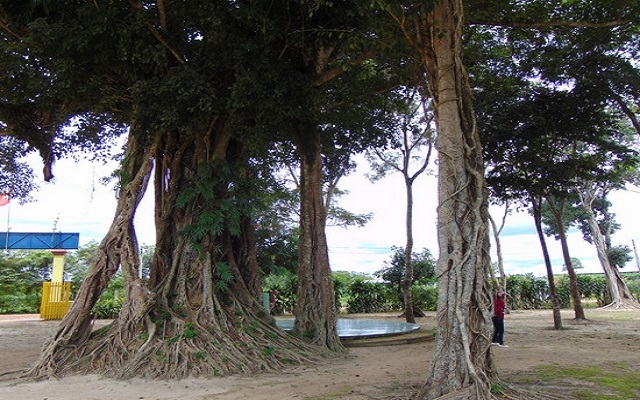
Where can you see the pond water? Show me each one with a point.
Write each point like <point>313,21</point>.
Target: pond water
<point>360,328</point>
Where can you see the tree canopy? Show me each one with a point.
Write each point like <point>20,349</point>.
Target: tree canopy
<point>214,95</point>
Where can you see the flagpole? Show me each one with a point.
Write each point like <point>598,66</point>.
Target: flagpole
<point>6,240</point>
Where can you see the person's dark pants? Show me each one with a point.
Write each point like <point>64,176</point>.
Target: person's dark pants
<point>498,330</point>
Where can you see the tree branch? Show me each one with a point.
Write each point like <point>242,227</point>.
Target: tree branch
<point>158,36</point>
<point>336,72</point>
<point>553,24</point>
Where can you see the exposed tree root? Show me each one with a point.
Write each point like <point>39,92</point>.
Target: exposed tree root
<point>622,305</point>
<point>177,347</point>
<point>523,394</point>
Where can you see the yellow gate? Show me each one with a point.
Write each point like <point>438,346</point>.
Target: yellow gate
<point>55,300</point>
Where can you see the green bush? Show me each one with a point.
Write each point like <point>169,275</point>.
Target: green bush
<point>589,286</point>
<point>342,281</point>
<point>107,308</point>
<point>286,283</point>
<point>563,291</point>
<point>20,303</point>
<point>425,297</point>
<point>633,283</point>
<point>527,292</point>
<point>366,297</point>
<point>593,287</point>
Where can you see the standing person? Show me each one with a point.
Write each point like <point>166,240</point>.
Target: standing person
<point>498,320</point>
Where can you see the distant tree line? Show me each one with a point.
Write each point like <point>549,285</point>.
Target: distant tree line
<point>22,273</point>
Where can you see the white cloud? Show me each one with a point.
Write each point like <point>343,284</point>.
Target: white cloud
<point>74,202</point>
<point>80,204</point>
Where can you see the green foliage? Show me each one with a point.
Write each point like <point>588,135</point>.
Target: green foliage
<point>530,292</point>
<point>589,286</point>
<point>527,292</point>
<point>286,283</point>
<point>215,192</point>
<point>110,302</point>
<point>25,269</point>
<point>425,296</point>
<point>619,256</point>
<point>277,245</point>
<point>189,331</point>
<point>21,278</point>
<point>76,264</point>
<point>20,303</point>
<point>267,351</point>
<point>496,388</point>
<point>423,272</point>
<point>224,275</point>
<point>563,291</point>
<point>342,281</point>
<point>613,381</point>
<point>107,308</point>
<point>393,271</point>
<point>366,297</point>
<point>593,287</point>
<point>633,283</point>
<point>16,175</point>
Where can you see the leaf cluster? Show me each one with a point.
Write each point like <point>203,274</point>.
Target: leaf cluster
<point>393,272</point>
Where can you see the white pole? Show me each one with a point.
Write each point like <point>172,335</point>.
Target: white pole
<point>635,252</point>
<point>6,240</point>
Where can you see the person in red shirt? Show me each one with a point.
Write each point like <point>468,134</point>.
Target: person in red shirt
<point>498,320</point>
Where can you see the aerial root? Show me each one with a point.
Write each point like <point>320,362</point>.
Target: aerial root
<point>192,350</point>
<point>621,306</point>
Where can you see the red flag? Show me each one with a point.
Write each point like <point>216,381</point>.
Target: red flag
<point>4,199</point>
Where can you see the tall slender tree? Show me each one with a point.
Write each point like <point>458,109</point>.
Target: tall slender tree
<point>461,361</point>
<point>409,152</point>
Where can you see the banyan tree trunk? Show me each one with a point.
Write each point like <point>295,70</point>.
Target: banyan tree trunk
<point>315,310</point>
<point>200,313</point>
<point>462,366</point>
<point>119,247</point>
<point>619,294</point>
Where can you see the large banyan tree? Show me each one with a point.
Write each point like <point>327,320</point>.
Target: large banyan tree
<point>168,75</point>
<point>462,366</point>
<point>204,92</point>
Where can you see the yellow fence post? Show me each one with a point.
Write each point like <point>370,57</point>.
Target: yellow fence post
<point>57,274</point>
<point>55,300</point>
<point>55,294</point>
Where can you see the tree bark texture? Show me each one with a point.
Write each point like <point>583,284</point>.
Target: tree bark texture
<point>119,247</point>
<point>462,360</point>
<point>315,310</point>
<point>496,237</point>
<point>200,313</point>
<point>619,294</point>
<point>536,206</point>
<point>558,212</point>
<point>407,283</point>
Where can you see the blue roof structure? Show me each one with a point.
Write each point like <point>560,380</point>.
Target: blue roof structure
<point>39,240</point>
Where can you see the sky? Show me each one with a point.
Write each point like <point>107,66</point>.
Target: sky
<point>77,202</point>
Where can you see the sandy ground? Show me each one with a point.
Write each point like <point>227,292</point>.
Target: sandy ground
<point>384,371</point>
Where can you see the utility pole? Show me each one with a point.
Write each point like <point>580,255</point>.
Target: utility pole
<point>635,252</point>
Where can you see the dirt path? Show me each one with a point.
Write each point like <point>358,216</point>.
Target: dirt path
<point>611,337</point>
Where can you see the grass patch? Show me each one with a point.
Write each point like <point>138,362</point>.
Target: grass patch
<point>608,315</point>
<point>336,394</point>
<point>613,382</point>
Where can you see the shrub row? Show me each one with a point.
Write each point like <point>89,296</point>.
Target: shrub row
<point>359,294</point>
